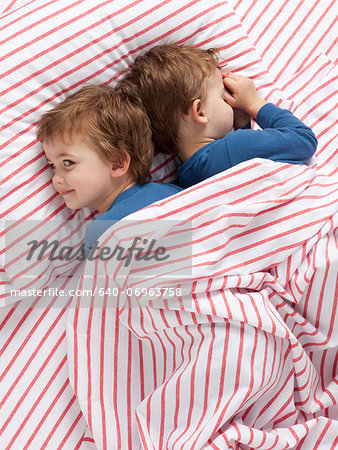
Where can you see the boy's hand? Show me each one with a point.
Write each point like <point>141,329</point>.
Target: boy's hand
<point>241,118</point>
<point>240,93</point>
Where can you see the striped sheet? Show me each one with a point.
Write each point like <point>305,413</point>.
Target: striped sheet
<point>234,358</point>
<point>289,35</point>
<point>56,381</point>
<point>9,5</point>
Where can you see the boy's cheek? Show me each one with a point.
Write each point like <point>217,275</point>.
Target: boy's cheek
<point>54,181</point>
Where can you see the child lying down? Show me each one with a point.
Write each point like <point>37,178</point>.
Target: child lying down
<point>98,143</point>
<point>193,107</point>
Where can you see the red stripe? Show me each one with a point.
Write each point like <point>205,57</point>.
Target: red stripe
<point>22,16</point>
<point>31,333</point>
<point>268,26</point>
<point>19,152</point>
<point>174,369</point>
<point>301,24</point>
<point>48,411</point>
<point>177,390</point>
<point>115,380</point>
<point>12,139</point>
<point>88,366</point>
<point>36,403</point>
<point>26,182</point>
<point>10,6</point>
<point>129,385</point>
<point>321,119</point>
<point>71,429</point>
<point>335,444</point>
<point>237,4</point>
<point>238,369</point>
<point>207,381</point>
<point>51,31</point>
<point>263,241</point>
<point>210,24</point>
<point>222,382</point>
<point>29,28</point>
<point>65,57</point>
<point>16,329</point>
<point>300,74</point>
<point>286,406</point>
<point>321,300</point>
<point>94,58</point>
<point>167,177</point>
<point>102,365</point>
<point>317,105</point>
<point>322,434</point>
<point>294,245</point>
<point>34,380</point>
<point>280,250</point>
<point>163,164</point>
<point>274,379</point>
<point>59,421</point>
<point>38,208</point>
<point>319,38</point>
<point>24,200</point>
<point>193,340</point>
<point>332,46</point>
<point>259,17</point>
<point>79,33</point>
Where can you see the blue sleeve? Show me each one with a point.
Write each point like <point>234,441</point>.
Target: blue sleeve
<point>284,138</point>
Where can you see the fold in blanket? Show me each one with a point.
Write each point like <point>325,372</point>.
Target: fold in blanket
<point>229,338</point>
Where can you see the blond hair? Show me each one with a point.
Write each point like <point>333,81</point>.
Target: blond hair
<point>168,78</point>
<point>112,121</point>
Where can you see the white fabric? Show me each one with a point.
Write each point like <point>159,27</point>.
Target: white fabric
<point>232,358</point>
<point>69,374</point>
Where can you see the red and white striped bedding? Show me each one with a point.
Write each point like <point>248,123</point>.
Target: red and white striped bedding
<point>247,357</point>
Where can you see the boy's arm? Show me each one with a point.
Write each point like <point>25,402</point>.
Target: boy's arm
<point>284,138</point>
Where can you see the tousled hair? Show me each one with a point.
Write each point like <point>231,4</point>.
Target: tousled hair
<point>112,121</point>
<point>168,78</point>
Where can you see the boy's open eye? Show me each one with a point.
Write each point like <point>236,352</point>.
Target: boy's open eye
<point>52,166</point>
<point>67,162</point>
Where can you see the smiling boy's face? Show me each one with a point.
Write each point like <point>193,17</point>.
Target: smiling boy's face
<point>81,175</point>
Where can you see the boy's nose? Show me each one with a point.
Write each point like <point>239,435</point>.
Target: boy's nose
<point>58,179</point>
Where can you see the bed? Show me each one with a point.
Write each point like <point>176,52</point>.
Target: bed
<point>232,342</point>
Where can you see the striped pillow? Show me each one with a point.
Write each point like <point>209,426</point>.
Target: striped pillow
<point>51,48</point>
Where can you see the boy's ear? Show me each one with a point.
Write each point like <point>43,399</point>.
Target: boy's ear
<point>120,166</point>
<point>197,113</point>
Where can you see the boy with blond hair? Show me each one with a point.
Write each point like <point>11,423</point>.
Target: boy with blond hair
<point>98,143</point>
<point>203,116</point>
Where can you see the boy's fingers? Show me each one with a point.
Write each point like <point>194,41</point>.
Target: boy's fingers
<point>234,76</point>
<point>229,83</point>
<point>229,98</point>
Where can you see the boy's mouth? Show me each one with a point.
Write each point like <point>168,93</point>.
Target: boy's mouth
<point>64,193</point>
